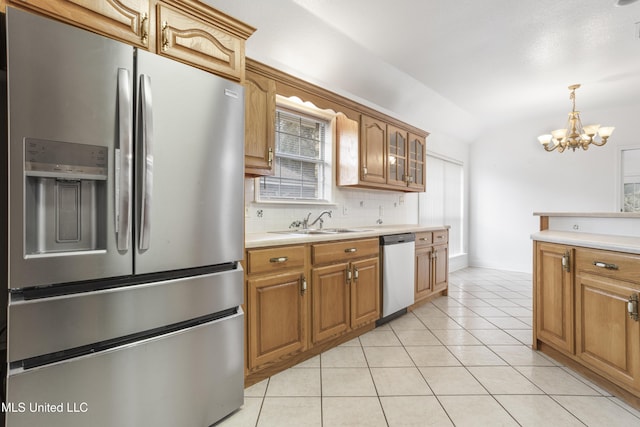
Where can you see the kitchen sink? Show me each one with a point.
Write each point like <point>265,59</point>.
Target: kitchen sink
<point>319,231</point>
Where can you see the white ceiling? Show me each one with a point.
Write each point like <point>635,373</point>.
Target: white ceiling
<point>483,61</point>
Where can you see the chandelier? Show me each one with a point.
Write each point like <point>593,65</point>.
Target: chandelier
<point>575,135</point>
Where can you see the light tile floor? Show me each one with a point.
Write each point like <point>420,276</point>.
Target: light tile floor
<point>463,360</point>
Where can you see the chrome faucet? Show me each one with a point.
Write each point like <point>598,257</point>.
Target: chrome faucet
<point>306,224</point>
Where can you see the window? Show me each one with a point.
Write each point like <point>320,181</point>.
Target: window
<point>630,160</point>
<point>442,203</point>
<point>302,169</point>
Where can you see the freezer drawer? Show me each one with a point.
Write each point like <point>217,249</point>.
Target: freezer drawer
<point>192,377</point>
<point>43,326</point>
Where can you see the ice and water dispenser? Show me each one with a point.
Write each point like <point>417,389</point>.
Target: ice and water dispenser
<point>65,192</point>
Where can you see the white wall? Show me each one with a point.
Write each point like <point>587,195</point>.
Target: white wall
<point>511,176</point>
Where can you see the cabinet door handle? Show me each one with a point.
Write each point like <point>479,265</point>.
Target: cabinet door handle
<point>270,157</point>
<point>303,285</point>
<point>605,265</point>
<point>350,250</point>
<point>422,238</point>
<point>440,237</point>
<point>144,29</point>
<point>279,259</point>
<point>165,36</point>
<point>566,262</point>
<point>632,306</point>
<point>356,273</point>
<point>348,275</point>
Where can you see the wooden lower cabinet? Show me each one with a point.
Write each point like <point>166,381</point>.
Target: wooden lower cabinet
<point>365,292</point>
<point>296,309</point>
<point>345,287</point>
<point>277,317</point>
<point>330,296</point>
<point>583,310</point>
<point>431,264</point>
<point>554,295</point>
<point>607,338</point>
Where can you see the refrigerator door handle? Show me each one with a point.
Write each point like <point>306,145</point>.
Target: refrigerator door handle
<point>146,108</point>
<point>124,158</point>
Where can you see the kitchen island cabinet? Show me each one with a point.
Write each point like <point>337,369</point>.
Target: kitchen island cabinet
<point>586,288</point>
<point>186,30</point>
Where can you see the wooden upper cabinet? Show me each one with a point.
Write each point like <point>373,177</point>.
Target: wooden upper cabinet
<point>373,142</point>
<point>259,124</point>
<point>417,152</point>
<point>381,155</point>
<point>126,20</point>
<point>396,156</point>
<point>186,30</point>
<point>185,37</point>
<point>347,151</point>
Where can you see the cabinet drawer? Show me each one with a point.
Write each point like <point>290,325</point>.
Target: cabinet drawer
<point>274,259</point>
<point>324,253</point>
<point>424,238</point>
<point>610,264</point>
<point>440,236</point>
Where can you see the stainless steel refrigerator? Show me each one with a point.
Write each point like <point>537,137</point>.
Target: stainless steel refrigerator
<point>124,197</point>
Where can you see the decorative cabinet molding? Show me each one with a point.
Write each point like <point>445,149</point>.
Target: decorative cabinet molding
<point>259,124</point>
<point>186,30</point>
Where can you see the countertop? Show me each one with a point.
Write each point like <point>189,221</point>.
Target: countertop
<point>259,240</point>
<point>590,240</point>
<point>590,214</point>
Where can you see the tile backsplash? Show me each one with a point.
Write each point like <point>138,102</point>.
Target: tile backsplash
<point>351,208</point>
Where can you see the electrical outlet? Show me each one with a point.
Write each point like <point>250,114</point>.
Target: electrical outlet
<point>401,199</point>
<point>246,211</point>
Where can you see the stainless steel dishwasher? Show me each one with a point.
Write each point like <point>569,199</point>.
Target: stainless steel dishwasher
<point>398,274</point>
